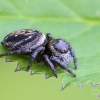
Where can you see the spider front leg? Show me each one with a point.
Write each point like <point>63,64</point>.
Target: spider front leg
<point>62,65</point>
<point>73,55</point>
<point>39,57</point>
<point>49,64</point>
<point>34,55</point>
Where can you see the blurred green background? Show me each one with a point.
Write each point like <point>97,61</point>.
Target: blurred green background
<point>74,20</point>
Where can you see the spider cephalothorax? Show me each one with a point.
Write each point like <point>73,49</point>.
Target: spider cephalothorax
<point>61,53</point>
<point>40,47</point>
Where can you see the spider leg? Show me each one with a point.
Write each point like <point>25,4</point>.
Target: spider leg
<point>73,55</point>
<point>48,36</point>
<point>34,55</point>
<point>62,65</point>
<point>49,63</point>
<point>11,52</point>
<point>39,57</point>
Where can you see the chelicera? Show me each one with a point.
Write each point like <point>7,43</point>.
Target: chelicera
<point>53,52</point>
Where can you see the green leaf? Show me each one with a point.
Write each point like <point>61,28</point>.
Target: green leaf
<point>77,21</point>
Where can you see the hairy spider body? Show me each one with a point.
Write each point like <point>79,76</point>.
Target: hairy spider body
<point>24,39</point>
<point>59,48</point>
<point>60,53</point>
<point>40,47</point>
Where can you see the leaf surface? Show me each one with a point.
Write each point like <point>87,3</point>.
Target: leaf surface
<point>77,21</point>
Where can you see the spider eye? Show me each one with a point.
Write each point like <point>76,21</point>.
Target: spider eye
<point>60,45</point>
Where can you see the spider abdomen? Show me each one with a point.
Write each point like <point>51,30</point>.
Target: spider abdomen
<point>24,39</point>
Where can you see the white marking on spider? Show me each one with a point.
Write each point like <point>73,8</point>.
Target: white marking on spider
<point>39,42</point>
<point>16,35</point>
<point>30,37</point>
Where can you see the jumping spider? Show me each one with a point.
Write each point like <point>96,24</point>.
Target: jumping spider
<point>40,47</point>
